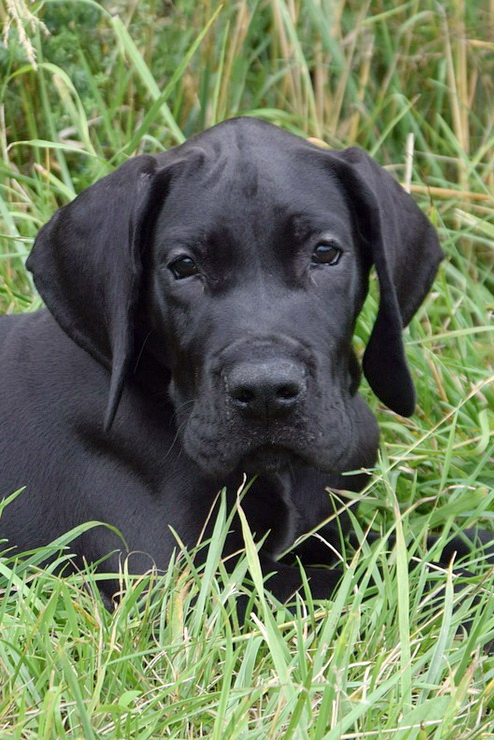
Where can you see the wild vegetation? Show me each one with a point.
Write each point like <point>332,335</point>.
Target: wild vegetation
<point>83,86</point>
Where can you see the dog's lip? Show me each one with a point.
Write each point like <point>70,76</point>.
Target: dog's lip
<point>268,458</point>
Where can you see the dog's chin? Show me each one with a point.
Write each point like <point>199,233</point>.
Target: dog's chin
<point>268,459</point>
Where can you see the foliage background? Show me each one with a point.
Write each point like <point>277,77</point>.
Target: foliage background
<point>84,85</point>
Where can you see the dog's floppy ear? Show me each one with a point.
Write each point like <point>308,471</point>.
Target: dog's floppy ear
<point>405,250</point>
<point>86,263</point>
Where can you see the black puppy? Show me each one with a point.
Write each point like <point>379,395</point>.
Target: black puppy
<point>200,310</point>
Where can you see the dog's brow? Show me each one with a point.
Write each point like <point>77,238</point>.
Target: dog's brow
<point>304,226</point>
<point>192,238</point>
<point>213,248</point>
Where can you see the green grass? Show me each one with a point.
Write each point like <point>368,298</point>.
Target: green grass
<point>383,659</point>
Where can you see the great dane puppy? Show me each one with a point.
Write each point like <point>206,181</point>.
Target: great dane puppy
<point>200,306</point>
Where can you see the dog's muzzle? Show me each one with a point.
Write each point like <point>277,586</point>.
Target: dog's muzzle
<point>266,389</point>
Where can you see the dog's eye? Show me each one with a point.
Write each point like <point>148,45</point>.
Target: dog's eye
<point>326,254</point>
<point>183,267</point>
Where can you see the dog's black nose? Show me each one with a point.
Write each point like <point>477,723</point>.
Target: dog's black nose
<point>267,388</point>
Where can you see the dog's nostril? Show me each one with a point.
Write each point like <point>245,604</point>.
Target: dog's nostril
<point>264,391</point>
<point>244,395</point>
<point>288,391</point>
<point>267,388</point>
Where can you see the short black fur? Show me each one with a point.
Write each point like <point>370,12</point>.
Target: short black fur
<point>245,367</point>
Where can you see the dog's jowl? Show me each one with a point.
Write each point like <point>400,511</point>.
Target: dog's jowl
<point>200,306</point>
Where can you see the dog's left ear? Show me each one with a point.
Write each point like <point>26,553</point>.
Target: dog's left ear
<point>405,249</point>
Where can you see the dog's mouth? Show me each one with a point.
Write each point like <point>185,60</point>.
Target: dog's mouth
<point>265,450</point>
<point>268,458</point>
<point>331,437</point>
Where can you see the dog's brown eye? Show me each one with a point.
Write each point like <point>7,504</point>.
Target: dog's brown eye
<point>326,254</point>
<point>183,267</point>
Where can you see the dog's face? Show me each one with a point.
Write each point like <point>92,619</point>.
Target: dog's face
<point>245,254</point>
<point>256,281</point>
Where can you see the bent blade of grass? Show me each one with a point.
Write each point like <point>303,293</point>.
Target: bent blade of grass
<point>68,94</point>
<point>162,97</point>
<point>8,499</point>
<point>55,145</point>
<point>303,83</point>
<point>142,69</point>
<point>215,549</point>
<point>406,107</point>
<point>36,557</point>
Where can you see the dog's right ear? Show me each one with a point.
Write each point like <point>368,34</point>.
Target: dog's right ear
<point>86,261</point>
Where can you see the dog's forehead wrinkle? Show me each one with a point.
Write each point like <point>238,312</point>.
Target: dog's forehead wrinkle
<point>265,192</point>
<point>244,162</point>
<point>328,221</point>
<point>241,135</point>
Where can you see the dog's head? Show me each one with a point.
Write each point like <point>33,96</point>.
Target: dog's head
<point>239,263</point>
